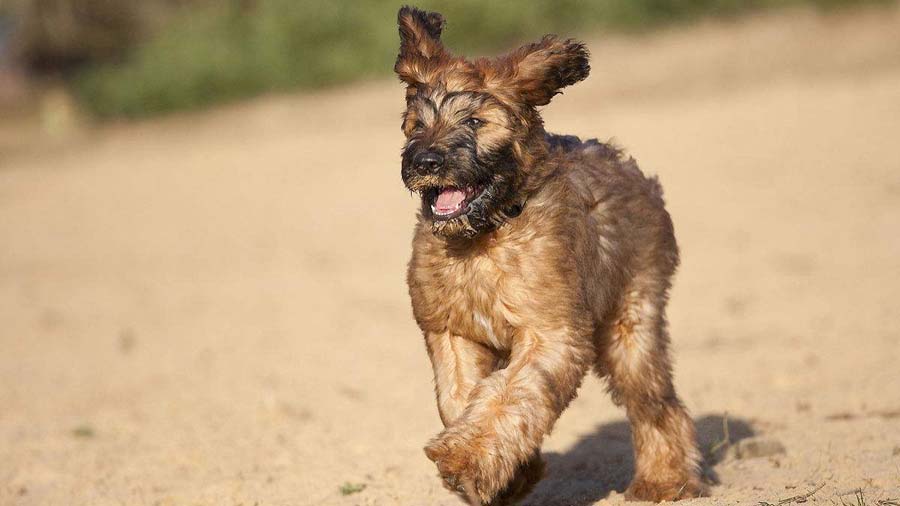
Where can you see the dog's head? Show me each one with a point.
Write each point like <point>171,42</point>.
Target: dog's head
<point>474,140</point>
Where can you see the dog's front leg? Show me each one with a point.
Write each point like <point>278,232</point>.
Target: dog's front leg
<point>459,364</point>
<point>510,412</point>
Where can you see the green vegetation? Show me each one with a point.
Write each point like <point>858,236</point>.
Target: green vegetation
<point>83,432</point>
<point>238,48</point>
<point>352,488</point>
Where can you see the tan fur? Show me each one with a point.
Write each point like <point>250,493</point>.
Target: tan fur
<point>514,317</point>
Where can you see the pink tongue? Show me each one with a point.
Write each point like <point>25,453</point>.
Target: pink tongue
<point>449,200</point>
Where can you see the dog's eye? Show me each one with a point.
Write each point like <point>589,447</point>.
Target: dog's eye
<point>473,122</point>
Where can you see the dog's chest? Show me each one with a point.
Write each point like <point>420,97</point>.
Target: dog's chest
<point>476,308</point>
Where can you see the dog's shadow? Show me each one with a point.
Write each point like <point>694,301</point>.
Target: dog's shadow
<point>603,462</point>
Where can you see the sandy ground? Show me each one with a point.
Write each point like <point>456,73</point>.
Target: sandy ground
<point>210,309</point>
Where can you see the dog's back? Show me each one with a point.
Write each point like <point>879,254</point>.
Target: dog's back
<point>626,204</point>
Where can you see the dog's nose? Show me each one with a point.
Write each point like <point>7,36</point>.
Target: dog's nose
<point>429,161</point>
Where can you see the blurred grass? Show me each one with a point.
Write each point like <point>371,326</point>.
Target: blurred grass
<point>238,48</point>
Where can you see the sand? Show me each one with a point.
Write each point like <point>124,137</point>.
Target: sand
<point>210,309</point>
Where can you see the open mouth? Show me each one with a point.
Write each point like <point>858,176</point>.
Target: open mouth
<point>448,202</point>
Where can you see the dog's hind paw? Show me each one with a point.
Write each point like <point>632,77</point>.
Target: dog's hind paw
<point>645,490</point>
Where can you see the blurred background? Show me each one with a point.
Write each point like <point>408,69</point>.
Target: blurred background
<point>136,59</point>
<point>203,240</point>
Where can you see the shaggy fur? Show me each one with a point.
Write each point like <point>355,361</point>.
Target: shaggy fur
<point>558,261</point>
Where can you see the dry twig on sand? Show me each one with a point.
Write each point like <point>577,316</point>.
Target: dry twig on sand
<point>726,438</point>
<point>795,499</point>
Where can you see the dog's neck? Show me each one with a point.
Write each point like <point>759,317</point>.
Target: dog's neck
<point>532,158</point>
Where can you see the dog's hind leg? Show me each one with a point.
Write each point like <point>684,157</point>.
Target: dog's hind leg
<point>635,360</point>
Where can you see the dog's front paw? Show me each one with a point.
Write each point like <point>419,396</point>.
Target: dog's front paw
<point>467,465</point>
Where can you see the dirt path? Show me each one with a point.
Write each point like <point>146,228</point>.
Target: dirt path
<point>210,309</point>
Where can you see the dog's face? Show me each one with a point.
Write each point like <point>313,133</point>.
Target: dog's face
<point>459,158</point>
<point>472,131</point>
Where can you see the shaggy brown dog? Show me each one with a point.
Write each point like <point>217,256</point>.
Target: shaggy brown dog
<point>535,258</point>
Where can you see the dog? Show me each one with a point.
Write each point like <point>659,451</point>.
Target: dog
<point>536,258</point>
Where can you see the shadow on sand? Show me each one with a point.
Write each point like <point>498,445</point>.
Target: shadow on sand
<point>602,462</point>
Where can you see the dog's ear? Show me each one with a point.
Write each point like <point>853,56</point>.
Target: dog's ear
<point>536,72</point>
<point>420,44</point>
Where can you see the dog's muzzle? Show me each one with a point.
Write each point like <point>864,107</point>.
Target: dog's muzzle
<point>428,162</point>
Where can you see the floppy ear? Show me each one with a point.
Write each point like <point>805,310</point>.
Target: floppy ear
<point>536,72</point>
<point>420,44</point>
